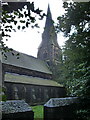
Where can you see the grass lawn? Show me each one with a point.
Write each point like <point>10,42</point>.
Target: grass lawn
<point>38,112</point>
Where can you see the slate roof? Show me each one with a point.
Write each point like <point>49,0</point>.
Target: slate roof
<point>26,61</point>
<point>16,78</point>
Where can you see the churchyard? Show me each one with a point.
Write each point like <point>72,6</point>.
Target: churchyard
<point>29,81</point>
<point>54,109</point>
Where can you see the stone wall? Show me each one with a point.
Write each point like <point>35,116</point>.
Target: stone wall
<point>33,94</point>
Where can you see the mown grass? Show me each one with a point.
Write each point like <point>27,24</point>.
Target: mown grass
<point>38,112</point>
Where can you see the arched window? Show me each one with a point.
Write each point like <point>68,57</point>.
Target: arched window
<point>23,93</point>
<point>15,89</point>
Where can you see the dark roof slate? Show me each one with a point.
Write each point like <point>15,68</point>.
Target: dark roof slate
<point>26,61</point>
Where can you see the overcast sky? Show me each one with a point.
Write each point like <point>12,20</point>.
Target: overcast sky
<point>29,41</point>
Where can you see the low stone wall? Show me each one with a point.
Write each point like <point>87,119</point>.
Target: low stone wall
<point>16,110</point>
<point>60,109</point>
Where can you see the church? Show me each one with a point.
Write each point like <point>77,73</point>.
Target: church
<point>30,78</point>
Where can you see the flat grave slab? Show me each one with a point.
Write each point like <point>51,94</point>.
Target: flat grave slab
<point>60,108</point>
<point>56,102</point>
<point>16,110</point>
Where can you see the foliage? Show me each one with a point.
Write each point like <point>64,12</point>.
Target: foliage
<point>18,18</point>
<point>38,112</point>
<point>2,94</point>
<point>78,85</point>
<point>4,98</point>
<point>76,53</point>
<point>76,50</point>
<point>57,72</point>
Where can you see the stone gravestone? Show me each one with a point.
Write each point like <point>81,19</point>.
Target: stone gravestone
<point>60,108</point>
<point>16,110</point>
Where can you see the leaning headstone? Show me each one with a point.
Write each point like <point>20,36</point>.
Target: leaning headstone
<point>60,108</point>
<point>16,110</point>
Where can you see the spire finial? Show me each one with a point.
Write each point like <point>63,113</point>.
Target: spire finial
<point>49,11</point>
<point>48,7</point>
<point>49,21</point>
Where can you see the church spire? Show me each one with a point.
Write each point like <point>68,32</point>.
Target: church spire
<point>49,49</point>
<point>49,34</point>
<point>49,21</point>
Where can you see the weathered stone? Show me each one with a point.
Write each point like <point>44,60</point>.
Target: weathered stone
<point>56,102</point>
<point>33,97</point>
<point>15,106</point>
<point>15,110</point>
<point>60,108</point>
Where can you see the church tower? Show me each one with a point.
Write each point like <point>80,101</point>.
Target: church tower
<point>49,50</point>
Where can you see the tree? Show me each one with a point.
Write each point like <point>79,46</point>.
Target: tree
<point>75,25</point>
